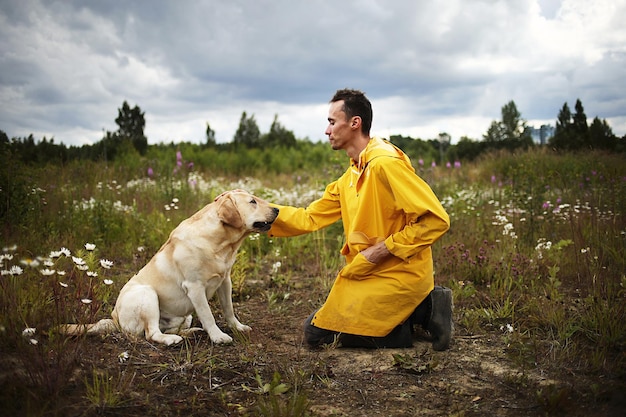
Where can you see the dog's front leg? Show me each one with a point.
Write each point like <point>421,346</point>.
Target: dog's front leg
<point>225,295</point>
<point>197,295</point>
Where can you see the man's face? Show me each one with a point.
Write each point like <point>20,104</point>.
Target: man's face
<point>339,131</point>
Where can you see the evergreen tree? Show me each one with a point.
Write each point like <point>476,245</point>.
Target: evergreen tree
<point>278,136</point>
<point>131,123</point>
<point>580,128</point>
<point>601,135</point>
<point>563,134</point>
<point>210,136</point>
<point>572,131</point>
<point>248,133</point>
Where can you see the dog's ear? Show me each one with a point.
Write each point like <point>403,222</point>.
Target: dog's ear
<point>228,213</point>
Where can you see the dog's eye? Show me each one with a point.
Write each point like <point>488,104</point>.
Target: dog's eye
<point>253,201</point>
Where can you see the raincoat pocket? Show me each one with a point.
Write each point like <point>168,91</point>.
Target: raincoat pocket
<point>359,268</point>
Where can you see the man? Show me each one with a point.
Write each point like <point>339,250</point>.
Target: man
<point>391,218</point>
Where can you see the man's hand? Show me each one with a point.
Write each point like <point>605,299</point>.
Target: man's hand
<point>377,253</point>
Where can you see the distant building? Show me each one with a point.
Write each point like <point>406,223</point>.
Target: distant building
<point>542,135</point>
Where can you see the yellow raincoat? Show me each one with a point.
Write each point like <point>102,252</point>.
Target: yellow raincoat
<point>379,198</point>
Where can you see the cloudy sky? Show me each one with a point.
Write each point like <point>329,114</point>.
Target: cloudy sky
<point>427,66</point>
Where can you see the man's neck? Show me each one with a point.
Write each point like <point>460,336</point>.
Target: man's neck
<point>360,143</point>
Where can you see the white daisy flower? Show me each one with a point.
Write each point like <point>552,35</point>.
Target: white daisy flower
<point>29,331</point>
<point>106,264</point>
<point>16,270</point>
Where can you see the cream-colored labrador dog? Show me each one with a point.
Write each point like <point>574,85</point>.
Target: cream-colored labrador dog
<point>186,272</point>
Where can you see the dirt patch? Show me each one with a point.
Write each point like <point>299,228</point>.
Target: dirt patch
<point>476,377</point>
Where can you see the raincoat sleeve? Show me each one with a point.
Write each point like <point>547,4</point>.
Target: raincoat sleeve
<point>426,219</point>
<point>294,221</point>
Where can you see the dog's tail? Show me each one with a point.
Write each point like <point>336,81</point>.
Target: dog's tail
<point>104,326</point>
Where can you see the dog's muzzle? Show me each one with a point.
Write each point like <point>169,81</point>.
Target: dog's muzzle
<point>265,226</point>
<point>262,226</point>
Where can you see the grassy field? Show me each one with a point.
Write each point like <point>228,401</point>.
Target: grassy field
<point>535,257</point>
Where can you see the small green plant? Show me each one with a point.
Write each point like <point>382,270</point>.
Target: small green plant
<point>274,387</point>
<point>274,401</point>
<point>553,399</point>
<point>238,274</point>
<point>418,363</point>
<point>276,300</point>
<point>103,391</point>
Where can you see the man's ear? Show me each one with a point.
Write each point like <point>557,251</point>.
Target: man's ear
<point>355,122</point>
<point>227,212</point>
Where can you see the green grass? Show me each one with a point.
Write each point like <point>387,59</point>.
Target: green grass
<point>535,251</point>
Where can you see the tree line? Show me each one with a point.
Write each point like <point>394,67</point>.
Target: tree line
<point>572,133</point>
<point>130,137</point>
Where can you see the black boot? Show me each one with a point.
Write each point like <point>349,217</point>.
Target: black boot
<point>440,325</point>
<point>434,314</point>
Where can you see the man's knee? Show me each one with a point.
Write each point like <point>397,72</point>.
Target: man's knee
<point>315,336</point>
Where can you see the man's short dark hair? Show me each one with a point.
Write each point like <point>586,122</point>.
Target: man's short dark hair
<point>356,104</point>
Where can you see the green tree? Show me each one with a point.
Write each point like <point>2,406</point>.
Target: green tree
<point>563,133</point>
<point>210,136</point>
<point>511,132</point>
<point>131,123</point>
<point>601,135</point>
<point>417,149</point>
<point>248,133</point>
<point>494,137</point>
<point>468,149</point>
<point>580,127</point>
<point>572,131</point>
<point>278,136</point>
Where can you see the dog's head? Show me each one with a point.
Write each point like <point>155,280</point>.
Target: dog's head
<point>242,210</point>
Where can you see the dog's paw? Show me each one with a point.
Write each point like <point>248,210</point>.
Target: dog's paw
<point>167,339</point>
<point>243,328</point>
<point>220,338</point>
<point>236,325</point>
